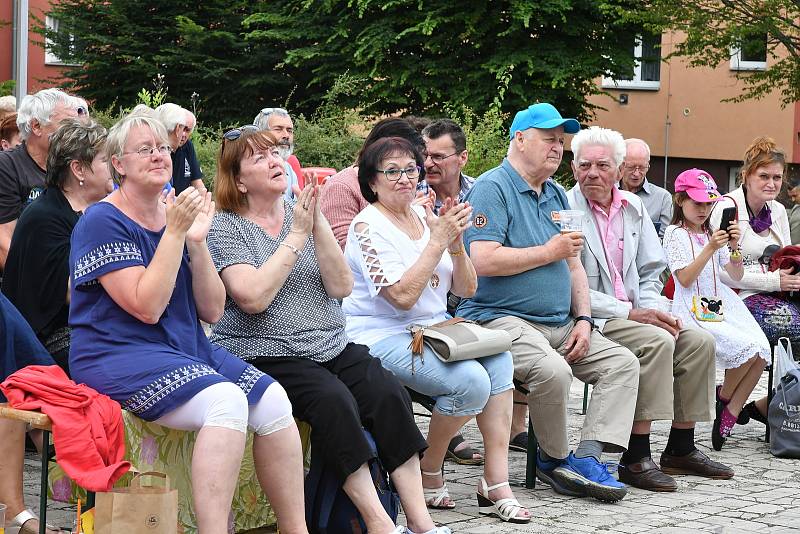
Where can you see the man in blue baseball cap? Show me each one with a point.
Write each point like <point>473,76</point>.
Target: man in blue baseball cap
<point>532,284</point>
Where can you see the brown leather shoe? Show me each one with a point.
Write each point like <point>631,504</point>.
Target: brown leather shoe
<point>695,463</point>
<point>646,475</point>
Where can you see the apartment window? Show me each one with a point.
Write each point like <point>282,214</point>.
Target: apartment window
<point>733,177</point>
<point>50,58</point>
<point>751,54</point>
<point>646,50</point>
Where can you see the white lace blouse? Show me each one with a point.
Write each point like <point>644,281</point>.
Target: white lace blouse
<point>378,254</point>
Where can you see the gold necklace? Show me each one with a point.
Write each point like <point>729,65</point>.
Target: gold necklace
<point>416,233</point>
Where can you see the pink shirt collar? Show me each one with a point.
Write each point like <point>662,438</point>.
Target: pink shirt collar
<point>617,203</point>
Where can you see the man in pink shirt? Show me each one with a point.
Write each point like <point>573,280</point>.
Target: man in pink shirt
<point>623,260</point>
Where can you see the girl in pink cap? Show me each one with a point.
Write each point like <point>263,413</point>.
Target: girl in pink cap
<point>696,256</point>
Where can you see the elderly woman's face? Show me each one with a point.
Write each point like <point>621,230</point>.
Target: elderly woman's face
<point>98,177</point>
<point>396,179</point>
<point>144,159</point>
<point>794,194</point>
<point>262,172</point>
<point>764,183</point>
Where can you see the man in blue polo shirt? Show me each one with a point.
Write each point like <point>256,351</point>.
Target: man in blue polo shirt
<point>532,284</point>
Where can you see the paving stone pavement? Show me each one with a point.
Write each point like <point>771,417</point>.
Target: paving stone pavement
<point>764,496</point>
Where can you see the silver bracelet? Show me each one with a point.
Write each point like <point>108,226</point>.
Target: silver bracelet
<point>290,247</point>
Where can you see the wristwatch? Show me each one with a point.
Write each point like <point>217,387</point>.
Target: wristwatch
<point>585,318</point>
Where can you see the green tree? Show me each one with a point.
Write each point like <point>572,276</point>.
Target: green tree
<point>195,50</point>
<point>419,55</point>
<point>716,27</point>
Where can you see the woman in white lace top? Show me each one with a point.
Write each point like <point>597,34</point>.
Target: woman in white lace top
<point>402,274</point>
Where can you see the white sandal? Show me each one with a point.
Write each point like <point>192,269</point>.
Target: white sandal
<point>434,497</point>
<point>17,525</point>
<point>506,509</point>
<point>434,530</point>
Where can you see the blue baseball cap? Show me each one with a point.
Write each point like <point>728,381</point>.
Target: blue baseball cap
<point>542,116</point>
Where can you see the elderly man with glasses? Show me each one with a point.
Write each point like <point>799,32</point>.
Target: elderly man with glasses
<point>447,155</point>
<point>22,169</point>
<point>279,123</point>
<point>657,200</point>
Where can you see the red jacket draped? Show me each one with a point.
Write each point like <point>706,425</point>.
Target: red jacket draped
<point>87,427</point>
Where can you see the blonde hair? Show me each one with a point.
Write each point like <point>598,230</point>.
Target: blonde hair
<point>118,136</point>
<point>762,151</point>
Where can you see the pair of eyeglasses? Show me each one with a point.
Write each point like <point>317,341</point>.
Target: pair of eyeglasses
<point>438,158</point>
<point>393,175</point>
<point>148,151</point>
<point>637,168</point>
<point>236,133</point>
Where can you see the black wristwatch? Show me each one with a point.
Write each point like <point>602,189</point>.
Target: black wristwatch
<point>585,318</point>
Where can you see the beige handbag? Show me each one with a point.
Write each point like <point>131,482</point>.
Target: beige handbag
<point>457,339</point>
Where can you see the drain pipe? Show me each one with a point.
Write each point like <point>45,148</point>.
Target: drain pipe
<point>667,122</point>
<point>20,49</point>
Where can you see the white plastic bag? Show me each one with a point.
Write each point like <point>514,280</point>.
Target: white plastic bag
<point>784,360</point>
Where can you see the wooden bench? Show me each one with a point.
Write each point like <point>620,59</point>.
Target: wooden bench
<point>41,422</point>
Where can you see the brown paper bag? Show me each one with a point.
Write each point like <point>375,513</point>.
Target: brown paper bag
<point>137,508</point>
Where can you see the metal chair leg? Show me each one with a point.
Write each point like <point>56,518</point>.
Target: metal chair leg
<point>770,391</point>
<point>43,488</point>
<point>532,453</point>
<point>585,398</point>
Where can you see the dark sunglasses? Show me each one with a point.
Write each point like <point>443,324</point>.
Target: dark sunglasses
<point>236,133</point>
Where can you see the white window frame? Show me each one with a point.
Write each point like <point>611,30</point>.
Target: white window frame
<point>51,23</point>
<point>733,177</point>
<point>636,82</point>
<point>737,63</point>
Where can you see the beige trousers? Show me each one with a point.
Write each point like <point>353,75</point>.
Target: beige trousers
<point>676,380</point>
<point>538,363</point>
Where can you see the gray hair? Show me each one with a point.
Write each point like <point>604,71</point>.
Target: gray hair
<point>40,106</point>
<point>144,109</point>
<point>597,136</point>
<point>8,104</point>
<point>171,115</point>
<point>75,140</point>
<point>118,136</point>
<point>635,141</point>
<point>262,119</point>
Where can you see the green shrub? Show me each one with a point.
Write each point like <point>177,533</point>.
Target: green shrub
<point>332,136</point>
<point>7,87</point>
<point>206,143</point>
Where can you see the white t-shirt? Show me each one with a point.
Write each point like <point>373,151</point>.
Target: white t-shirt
<point>379,253</point>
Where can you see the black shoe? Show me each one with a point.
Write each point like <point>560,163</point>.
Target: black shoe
<point>744,417</point>
<point>753,413</point>
<point>717,440</point>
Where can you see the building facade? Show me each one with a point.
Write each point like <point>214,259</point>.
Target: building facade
<point>43,68</point>
<point>680,112</point>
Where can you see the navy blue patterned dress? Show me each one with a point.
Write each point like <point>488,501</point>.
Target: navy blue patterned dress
<point>149,369</point>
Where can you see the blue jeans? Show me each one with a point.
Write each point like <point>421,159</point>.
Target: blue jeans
<point>459,388</point>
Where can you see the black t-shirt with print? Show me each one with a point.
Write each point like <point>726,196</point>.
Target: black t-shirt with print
<point>21,182</point>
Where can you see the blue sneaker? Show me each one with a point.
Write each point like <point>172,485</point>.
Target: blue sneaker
<point>546,471</point>
<point>592,477</point>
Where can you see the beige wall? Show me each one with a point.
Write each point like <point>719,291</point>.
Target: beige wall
<point>688,105</point>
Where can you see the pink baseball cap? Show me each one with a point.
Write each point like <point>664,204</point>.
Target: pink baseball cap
<point>699,185</point>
